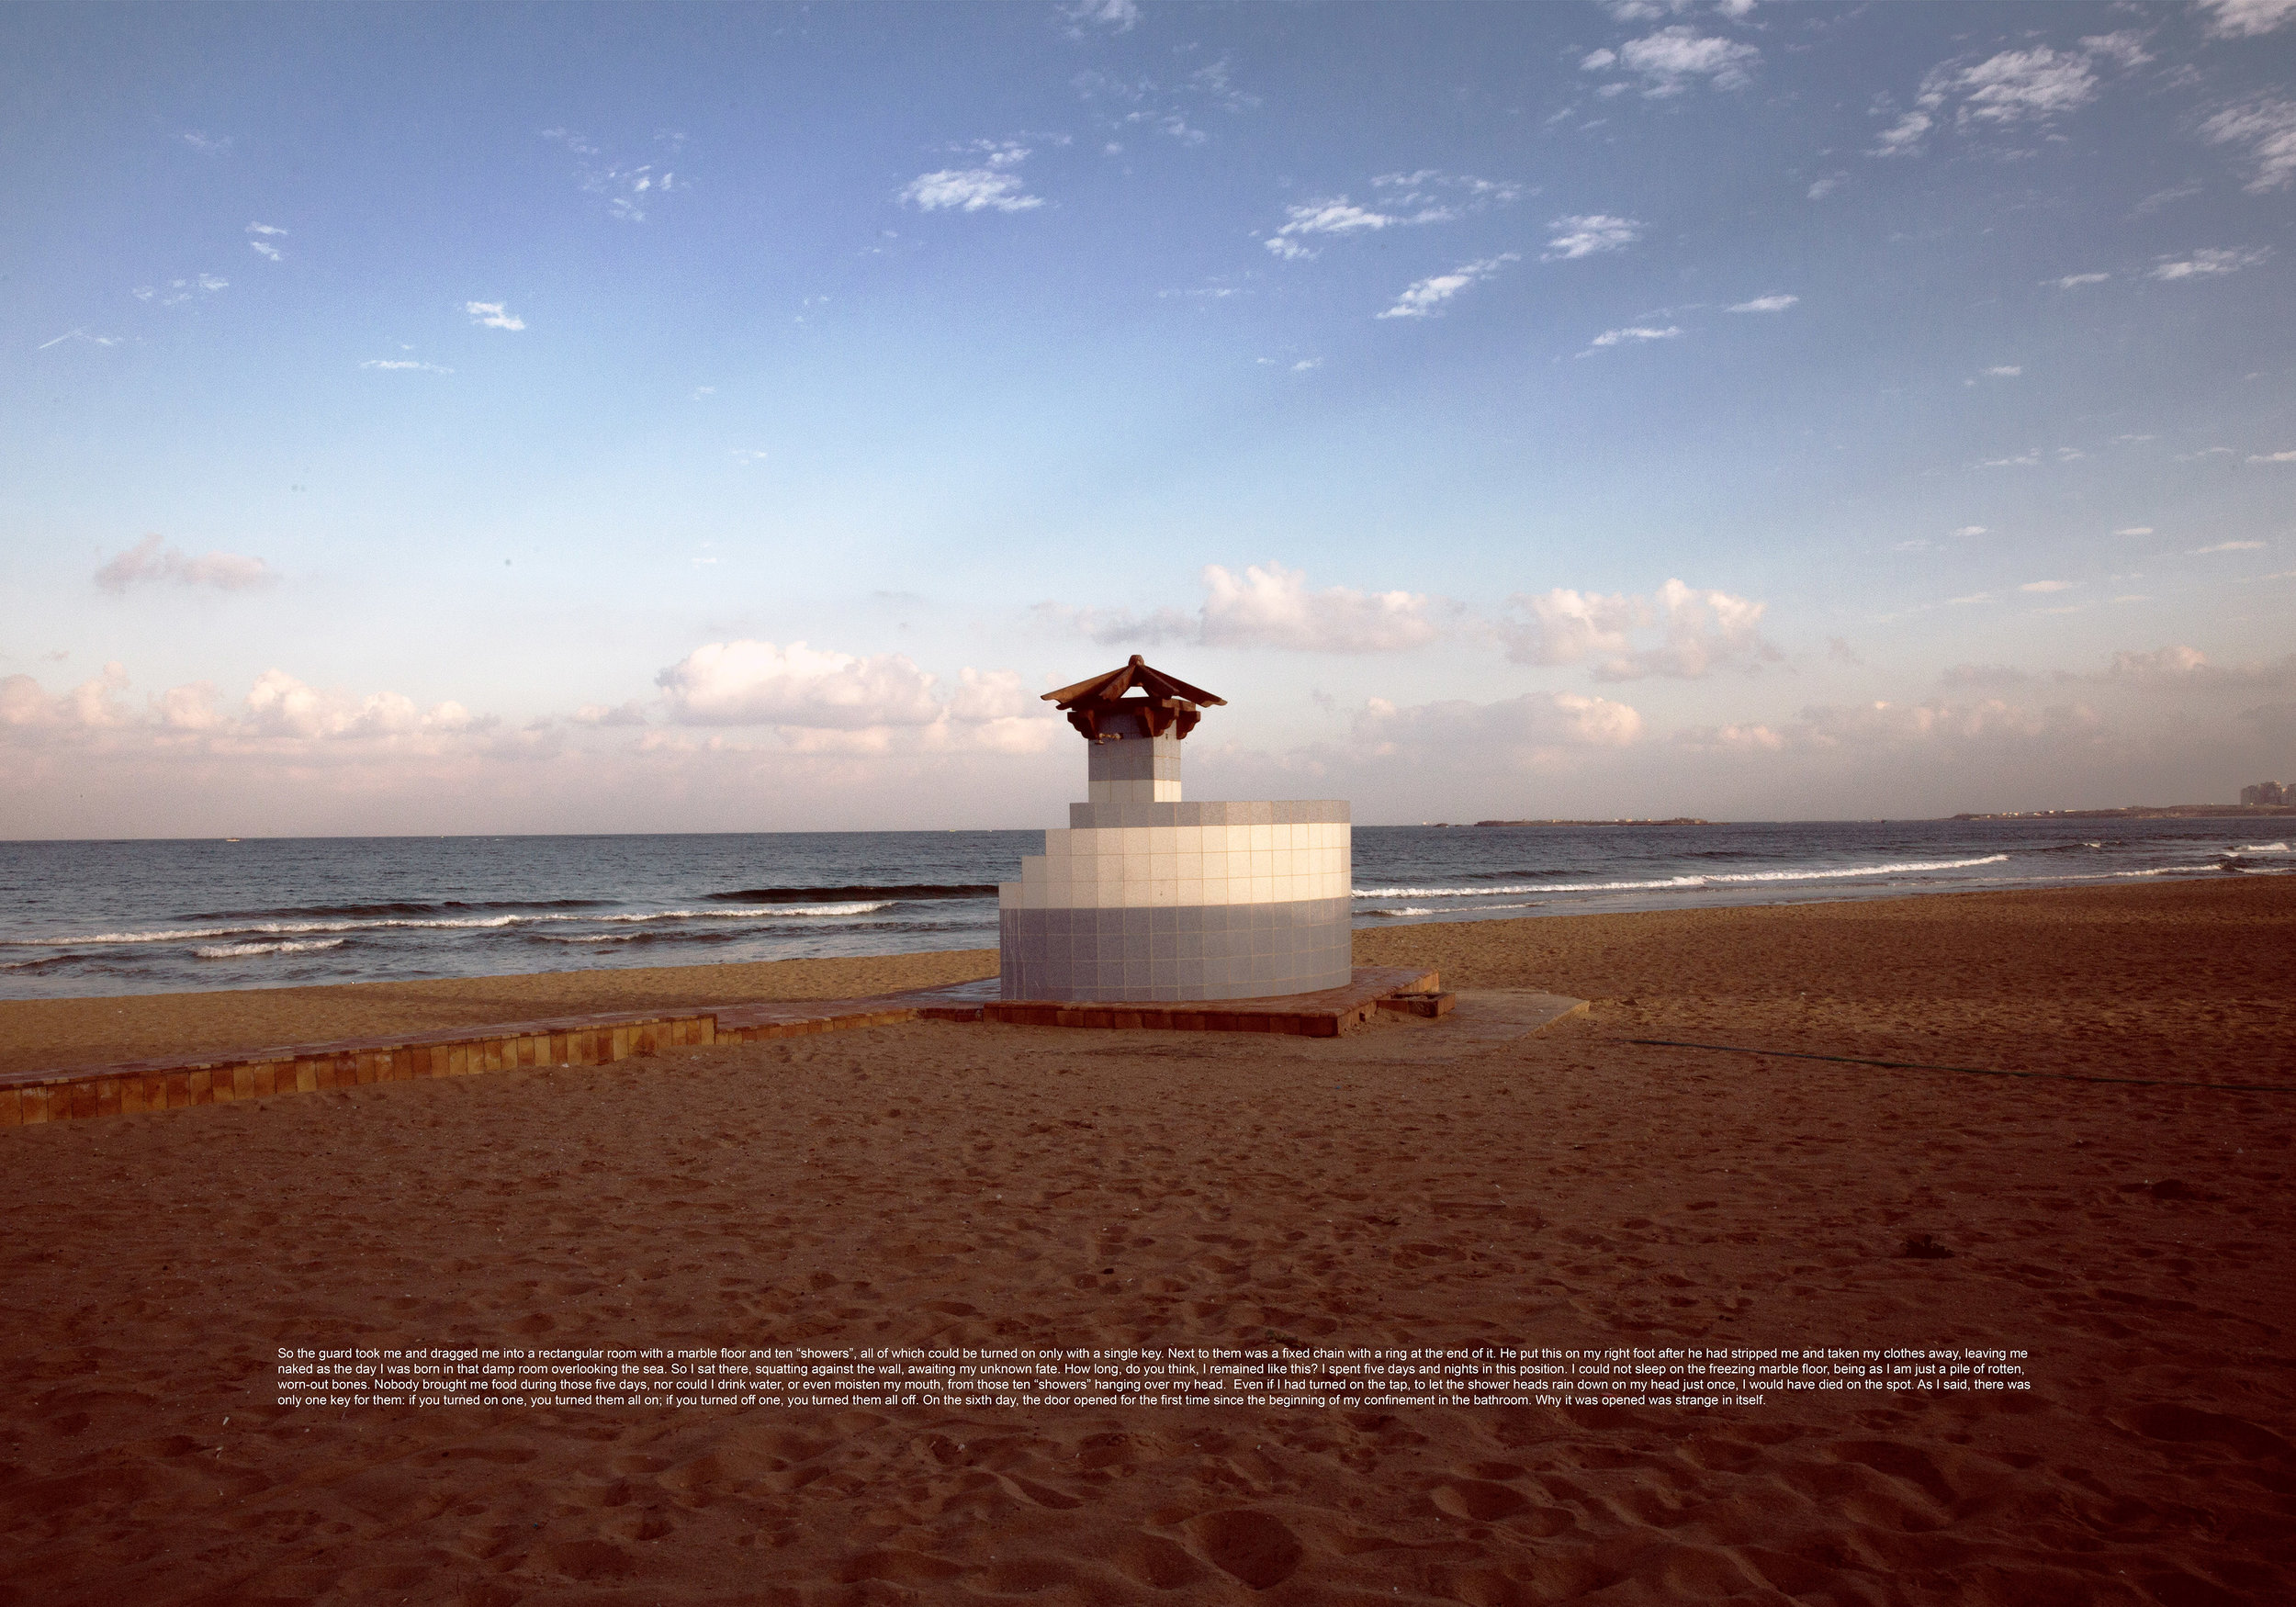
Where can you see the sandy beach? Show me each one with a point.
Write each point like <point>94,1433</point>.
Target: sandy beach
<point>939,1184</point>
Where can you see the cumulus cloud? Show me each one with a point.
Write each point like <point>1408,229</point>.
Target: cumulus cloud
<point>1670,60</point>
<point>2241,19</point>
<point>26,707</point>
<point>970,189</point>
<point>1424,298</point>
<point>1270,606</point>
<point>629,713</point>
<point>152,562</point>
<point>2010,89</point>
<point>2074,281</point>
<point>2268,127</point>
<point>1766,304</point>
<point>492,315</point>
<point>1587,234</point>
<point>263,234</point>
<point>277,707</point>
<point>407,364</point>
<point>1701,631</point>
<point>829,702</point>
<point>2272,456</point>
<point>1533,731</point>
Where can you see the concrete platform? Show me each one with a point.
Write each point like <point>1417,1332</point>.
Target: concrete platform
<point>1322,1013</point>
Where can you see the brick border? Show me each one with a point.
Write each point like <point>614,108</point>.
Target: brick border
<point>137,1086</point>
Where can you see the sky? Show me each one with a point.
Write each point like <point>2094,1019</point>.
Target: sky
<point>662,419</point>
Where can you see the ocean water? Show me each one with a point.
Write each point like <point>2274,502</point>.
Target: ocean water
<point>80,918</point>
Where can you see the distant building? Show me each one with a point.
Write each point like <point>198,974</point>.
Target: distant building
<point>2266,792</point>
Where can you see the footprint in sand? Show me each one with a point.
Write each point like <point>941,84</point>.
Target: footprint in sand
<point>1252,1547</point>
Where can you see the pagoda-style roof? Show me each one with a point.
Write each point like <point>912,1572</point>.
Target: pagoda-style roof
<point>1166,704</point>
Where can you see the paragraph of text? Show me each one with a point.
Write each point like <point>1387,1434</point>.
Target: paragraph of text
<point>1310,1378</point>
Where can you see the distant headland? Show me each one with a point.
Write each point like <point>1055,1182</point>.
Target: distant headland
<point>1678,820</point>
<point>2149,811</point>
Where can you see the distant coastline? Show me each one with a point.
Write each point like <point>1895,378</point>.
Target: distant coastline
<point>1678,820</point>
<point>2151,811</point>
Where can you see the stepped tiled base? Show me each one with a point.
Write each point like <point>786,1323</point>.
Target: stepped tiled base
<point>1167,902</point>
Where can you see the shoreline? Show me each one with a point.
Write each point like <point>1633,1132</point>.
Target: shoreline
<point>106,1028</point>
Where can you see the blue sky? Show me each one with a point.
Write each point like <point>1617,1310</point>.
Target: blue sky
<point>479,419</point>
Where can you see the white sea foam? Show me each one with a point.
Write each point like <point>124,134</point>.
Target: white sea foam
<point>2265,848</point>
<point>241,950</point>
<point>447,924</point>
<point>1709,879</point>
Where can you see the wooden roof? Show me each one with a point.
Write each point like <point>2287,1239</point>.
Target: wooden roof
<point>1106,689</point>
<point>1166,706</point>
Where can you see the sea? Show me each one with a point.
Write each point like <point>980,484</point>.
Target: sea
<point>94,918</point>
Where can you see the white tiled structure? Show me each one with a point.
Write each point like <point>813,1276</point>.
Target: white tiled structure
<point>1147,867</point>
<point>1146,898</point>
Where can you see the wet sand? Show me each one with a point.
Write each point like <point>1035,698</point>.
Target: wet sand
<point>939,1184</point>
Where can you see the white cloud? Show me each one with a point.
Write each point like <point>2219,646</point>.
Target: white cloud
<point>280,706</point>
<point>207,145</point>
<point>2232,546</point>
<point>838,702</point>
<point>970,189</point>
<point>2240,20</point>
<point>2074,281</point>
<point>1821,188</point>
<point>93,706</point>
<point>1636,334</point>
<point>1969,530</point>
<point>1414,199</point>
<point>151,561</point>
<point>1586,235</point>
<point>2005,371</point>
<point>1766,304</point>
<point>2027,459</point>
<point>2268,126</point>
<point>1536,731</point>
<point>631,712</point>
<point>1336,216</point>
<point>492,315</point>
<point>264,228</point>
<point>2209,264</point>
<point>1424,298</point>
<point>2024,85</point>
<point>1669,60</point>
<point>1270,606</point>
<point>2010,89</point>
<point>1116,16</point>
<point>2273,457</point>
<point>759,683</point>
<point>1703,632</point>
<point>2135,530</point>
<point>628,188</point>
<point>2046,586</point>
<point>82,334</point>
<point>1903,138</point>
<point>405,363</point>
<point>265,249</point>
